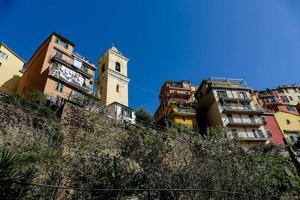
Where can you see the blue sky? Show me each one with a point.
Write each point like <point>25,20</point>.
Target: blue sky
<point>258,40</point>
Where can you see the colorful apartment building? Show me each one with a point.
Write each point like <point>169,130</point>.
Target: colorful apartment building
<point>177,104</point>
<point>227,103</point>
<point>284,98</point>
<point>10,66</point>
<point>112,85</point>
<point>58,71</point>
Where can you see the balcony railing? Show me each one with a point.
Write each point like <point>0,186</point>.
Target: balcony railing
<point>70,63</point>
<point>235,98</point>
<point>265,94</point>
<point>258,138</point>
<point>245,122</point>
<point>187,111</point>
<point>273,101</point>
<point>257,135</point>
<point>242,108</point>
<point>178,100</point>
<point>71,81</point>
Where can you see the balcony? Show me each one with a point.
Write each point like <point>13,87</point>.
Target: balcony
<point>65,60</point>
<point>258,135</point>
<point>235,98</point>
<point>262,138</point>
<point>273,101</point>
<point>238,108</point>
<point>245,122</point>
<point>188,111</point>
<point>179,100</point>
<point>71,79</point>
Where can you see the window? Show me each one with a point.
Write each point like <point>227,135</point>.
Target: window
<point>286,90</point>
<point>61,42</point>
<point>59,87</point>
<point>183,118</point>
<point>3,55</point>
<point>234,133</point>
<point>59,54</point>
<point>295,90</point>
<point>260,134</point>
<point>298,97</point>
<point>290,108</point>
<point>288,121</point>
<point>242,95</point>
<point>254,133</point>
<point>285,99</point>
<point>252,118</point>
<point>126,112</point>
<point>117,88</point>
<point>118,67</point>
<point>291,98</point>
<point>230,118</point>
<point>0,64</point>
<point>293,137</point>
<point>222,94</point>
<point>269,133</point>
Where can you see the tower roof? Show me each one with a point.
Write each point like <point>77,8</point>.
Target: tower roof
<point>115,49</point>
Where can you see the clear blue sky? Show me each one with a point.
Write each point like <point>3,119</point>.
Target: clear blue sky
<point>258,40</point>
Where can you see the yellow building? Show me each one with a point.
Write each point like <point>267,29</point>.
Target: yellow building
<point>289,125</point>
<point>177,104</point>
<point>10,66</point>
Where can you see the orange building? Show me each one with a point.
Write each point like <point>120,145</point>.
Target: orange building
<point>58,71</point>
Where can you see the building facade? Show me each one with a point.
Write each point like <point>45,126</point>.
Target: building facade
<point>228,103</point>
<point>120,112</point>
<point>177,104</point>
<point>10,66</point>
<point>285,98</point>
<point>58,71</point>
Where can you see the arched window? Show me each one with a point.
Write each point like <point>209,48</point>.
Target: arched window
<point>118,67</point>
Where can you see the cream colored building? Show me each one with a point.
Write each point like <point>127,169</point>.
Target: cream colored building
<point>10,66</point>
<point>113,82</point>
<point>228,103</point>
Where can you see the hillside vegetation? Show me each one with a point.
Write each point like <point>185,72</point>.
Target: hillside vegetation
<point>86,151</point>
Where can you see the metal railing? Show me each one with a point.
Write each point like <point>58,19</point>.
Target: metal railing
<point>239,107</point>
<point>185,110</point>
<point>235,97</point>
<point>245,122</point>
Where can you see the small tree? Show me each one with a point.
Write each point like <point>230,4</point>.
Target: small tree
<point>143,115</point>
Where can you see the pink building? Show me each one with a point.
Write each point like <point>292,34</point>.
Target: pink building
<point>272,128</point>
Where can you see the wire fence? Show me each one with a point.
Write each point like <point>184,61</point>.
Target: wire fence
<point>52,192</point>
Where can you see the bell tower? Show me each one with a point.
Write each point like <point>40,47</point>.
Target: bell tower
<point>112,85</point>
